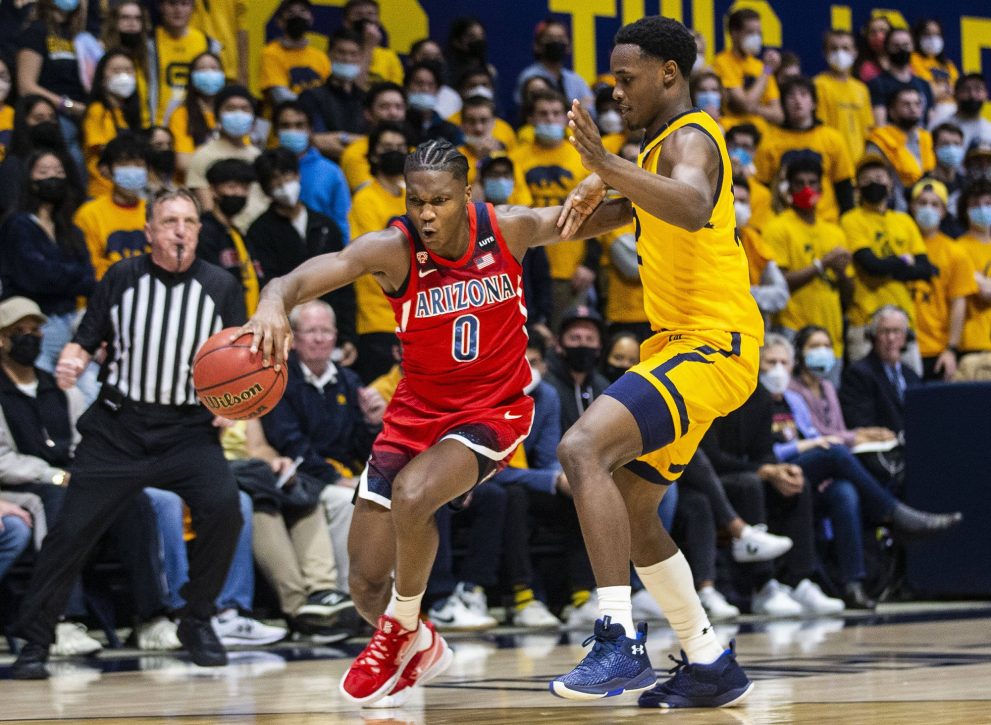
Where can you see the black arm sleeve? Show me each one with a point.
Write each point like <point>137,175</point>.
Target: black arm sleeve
<point>880,266</point>
<point>923,268</point>
<point>844,194</point>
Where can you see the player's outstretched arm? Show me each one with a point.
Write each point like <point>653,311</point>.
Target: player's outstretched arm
<point>682,192</point>
<point>526,227</point>
<point>383,254</point>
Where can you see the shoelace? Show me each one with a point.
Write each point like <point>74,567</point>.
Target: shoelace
<point>376,653</point>
<point>681,666</point>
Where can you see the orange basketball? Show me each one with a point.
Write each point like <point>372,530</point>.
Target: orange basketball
<point>231,382</point>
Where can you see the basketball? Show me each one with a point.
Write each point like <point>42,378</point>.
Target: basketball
<point>232,382</point>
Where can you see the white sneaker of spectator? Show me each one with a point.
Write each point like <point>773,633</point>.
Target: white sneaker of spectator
<point>71,639</point>
<point>774,600</point>
<point>755,544</point>
<point>455,613</point>
<point>645,609</point>
<point>534,614</point>
<point>158,634</point>
<point>715,604</point>
<point>583,616</point>
<point>814,601</point>
<point>234,629</point>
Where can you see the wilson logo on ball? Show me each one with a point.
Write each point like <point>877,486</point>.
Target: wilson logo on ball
<point>230,400</point>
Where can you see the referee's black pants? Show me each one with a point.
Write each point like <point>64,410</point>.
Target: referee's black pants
<point>121,453</point>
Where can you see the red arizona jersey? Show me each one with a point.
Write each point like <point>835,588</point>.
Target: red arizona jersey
<point>462,322</point>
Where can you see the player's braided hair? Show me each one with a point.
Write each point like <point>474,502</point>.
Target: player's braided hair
<point>438,155</point>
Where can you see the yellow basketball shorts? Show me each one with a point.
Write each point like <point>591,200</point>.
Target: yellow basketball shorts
<point>683,382</point>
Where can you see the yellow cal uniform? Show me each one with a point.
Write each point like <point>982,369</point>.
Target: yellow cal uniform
<point>893,144</point>
<point>354,163</point>
<point>112,232</point>
<point>371,209</point>
<point>845,104</point>
<point>551,174</point>
<point>824,141</point>
<point>977,328</point>
<point>932,297</point>
<point>100,127</point>
<point>741,72</point>
<point>890,234</point>
<point>702,362</point>
<point>294,68</point>
<point>174,56</point>
<point>795,243</point>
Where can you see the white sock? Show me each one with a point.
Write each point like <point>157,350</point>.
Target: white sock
<point>670,582</point>
<point>405,610</point>
<point>615,602</point>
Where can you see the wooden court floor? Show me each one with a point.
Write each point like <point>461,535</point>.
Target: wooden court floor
<point>906,664</point>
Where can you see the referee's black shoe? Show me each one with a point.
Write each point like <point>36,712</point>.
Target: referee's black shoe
<point>202,643</point>
<point>30,663</point>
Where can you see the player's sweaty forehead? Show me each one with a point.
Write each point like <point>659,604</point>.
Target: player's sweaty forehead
<point>426,185</point>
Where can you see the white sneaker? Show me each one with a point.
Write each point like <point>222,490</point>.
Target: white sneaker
<point>584,616</point>
<point>233,629</point>
<point>755,544</point>
<point>814,601</point>
<point>452,613</point>
<point>71,639</point>
<point>535,615</point>
<point>474,600</point>
<point>774,600</point>
<point>715,604</point>
<point>645,609</point>
<point>158,634</point>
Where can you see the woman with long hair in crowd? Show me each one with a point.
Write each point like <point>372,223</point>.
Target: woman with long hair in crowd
<point>193,122</point>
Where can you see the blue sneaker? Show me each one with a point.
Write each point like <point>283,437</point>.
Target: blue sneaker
<point>616,664</point>
<point>720,684</point>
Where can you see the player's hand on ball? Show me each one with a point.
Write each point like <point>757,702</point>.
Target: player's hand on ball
<point>221,422</point>
<point>580,204</point>
<point>270,331</point>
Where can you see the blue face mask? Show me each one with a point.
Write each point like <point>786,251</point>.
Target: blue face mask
<point>67,6</point>
<point>237,123</point>
<point>708,99</point>
<point>497,191</point>
<point>980,216</point>
<point>549,132</point>
<point>927,218</point>
<point>294,140</point>
<point>345,71</point>
<point>950,155</point>
<point>820,360</point>
<point>208,82</point>
<point>741,156</point>
<point>422,101</point>
<point>131,178</point>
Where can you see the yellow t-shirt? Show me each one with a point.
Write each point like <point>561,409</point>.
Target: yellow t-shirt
<point>761,211</point>
<point>737,72</point>
<point>845,105</point>
<point>758,252</point>
<point>794,244</point>
<point>386,384</point>
<point>385,66</point>
<point>940,76</point>
<point>174,57</point>
<point>294,68</point>
<point>550,174</point>
<point>933,297</point>
<point>892,142</point>
<point>354,163</point>
<point>6,128</point>
<point>624,301</point>
<point>825,141</point>
<point>179,126</point>
<point>371,209</point>
<point>977,328</point>
<point>221,20</point>
<point>890,234</point>
<point>112,232</point>
<point>100,126</point>
<point>501,131</point>
<point>695,280</point>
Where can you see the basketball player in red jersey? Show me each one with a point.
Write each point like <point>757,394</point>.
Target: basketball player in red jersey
<point>451,270</point>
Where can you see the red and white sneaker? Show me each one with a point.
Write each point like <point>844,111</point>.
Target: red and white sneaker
<point>422,668</point>
<point>378,668</point>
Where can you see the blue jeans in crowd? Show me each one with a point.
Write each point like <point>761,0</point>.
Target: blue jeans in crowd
<point>56,333</point>
<point>14,539</point>
<point>239,587</point>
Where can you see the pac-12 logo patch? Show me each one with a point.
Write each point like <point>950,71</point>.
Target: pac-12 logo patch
<point>422,257</point>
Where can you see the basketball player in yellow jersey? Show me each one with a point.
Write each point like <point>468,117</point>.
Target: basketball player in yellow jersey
<point>701,363</point>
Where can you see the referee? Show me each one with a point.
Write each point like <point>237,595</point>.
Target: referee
<point>145,428</point>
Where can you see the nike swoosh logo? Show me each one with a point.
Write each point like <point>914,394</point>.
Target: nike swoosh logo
<point>510,416</point>
<point>444,620</point>
<point>425,272</point>
<point>751,549</point>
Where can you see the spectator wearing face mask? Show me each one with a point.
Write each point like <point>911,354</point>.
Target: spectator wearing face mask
<point>114,106</point>
<point>421,85</point>
<point>478,124</point>
<point>929,62</point>
<point>751,90</point>
<point>477,82</point>
<point>448,99</point>
<point>384,102</point>
<point>162,162</point>
<point>940,302</point>
<point>176,42</point>
<point>289,65</point>
<point>574,367</point>
<point>467,48</point>
<point>193,122</point>
<point>971,93</point>
<point>872,59</point>
<point>378,63</point>
<point>767,284</point>
<point>707,93</point>
<point>610,123</point>
<point>844,103</point>
<point>551,46</point>
<point>898,47</point>
<point>812,254</point>
<point>975,211</point>
<point>949,151</point>
<point>903,142</point>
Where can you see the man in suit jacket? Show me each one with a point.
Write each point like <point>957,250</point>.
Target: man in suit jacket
<point>873,390</point>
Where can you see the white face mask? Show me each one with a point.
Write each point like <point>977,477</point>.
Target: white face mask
<point>535,378</point>
<point>840,60</point>
<point>483,91</point>
<point>742,213</point>
<point>288,193</point>
<point>931,45</point>
<point>776,379</point>
<point>122,85</point>
<point>610,122</point>
<point>752,44</point>
<point>699,63</point>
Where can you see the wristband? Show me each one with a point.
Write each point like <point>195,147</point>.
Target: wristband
<point>817,263</point>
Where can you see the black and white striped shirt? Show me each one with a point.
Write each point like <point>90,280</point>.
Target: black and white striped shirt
<point>154,322</point>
